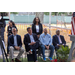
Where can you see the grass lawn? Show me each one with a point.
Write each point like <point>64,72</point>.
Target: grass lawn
<point>25,60</point>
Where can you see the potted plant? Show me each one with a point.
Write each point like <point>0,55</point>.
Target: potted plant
<point>63,53</point>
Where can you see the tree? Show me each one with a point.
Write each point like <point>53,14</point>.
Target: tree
<point>54,13</point>
<point>46,13</point>
<point>40,15</point>
<point>13,12</point>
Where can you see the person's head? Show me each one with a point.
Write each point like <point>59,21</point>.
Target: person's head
<point>29,30</point>
<point>58,32</point>
<point>11,23</point>
<point>45,30</point>
<point>14,31</point>
<point>36,20</point>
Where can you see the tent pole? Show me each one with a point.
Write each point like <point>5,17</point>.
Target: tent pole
<point>49,22</point>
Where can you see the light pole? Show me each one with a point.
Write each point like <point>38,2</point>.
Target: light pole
<point>49,22</point>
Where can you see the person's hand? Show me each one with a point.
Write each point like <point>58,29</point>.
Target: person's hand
<point>47,47</point>
<point>32,43</point>
<point>38,36</point>
<point>10,33</point>
<point>30,52</point>
<point>59,45</point>
<point>17,48</point>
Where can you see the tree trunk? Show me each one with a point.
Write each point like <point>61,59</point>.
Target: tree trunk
<point>40,15</point>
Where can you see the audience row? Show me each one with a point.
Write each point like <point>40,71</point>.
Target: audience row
<point>34,39</point>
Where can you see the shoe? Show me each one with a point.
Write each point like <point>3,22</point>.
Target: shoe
<point>50,58</point>
<point>36,61</point>
<point>44,59</point>
<point>12,60</point>
<point>17,60</point>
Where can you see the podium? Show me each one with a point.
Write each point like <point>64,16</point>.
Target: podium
<point>72,50</point>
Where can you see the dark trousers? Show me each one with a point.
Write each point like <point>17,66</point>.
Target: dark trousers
<point>34,47</point>
<point>57,47</point>
<point>51,47</point>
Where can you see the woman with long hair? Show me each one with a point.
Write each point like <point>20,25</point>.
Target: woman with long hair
<point>37,27</point>
<point>9,28</point>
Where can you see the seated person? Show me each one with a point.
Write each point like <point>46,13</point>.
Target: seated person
<point>46,42</point>
<point>15,43</point>
<point>58,40</point>
<point>31,43</point>
<point>9,31</point>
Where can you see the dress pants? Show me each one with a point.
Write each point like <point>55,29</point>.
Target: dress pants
<point>34,47</point>
<point>12,49</point>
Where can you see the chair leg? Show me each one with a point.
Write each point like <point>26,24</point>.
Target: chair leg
<point>25,55</point>
<point>22,58</point>
<point>54,54</point>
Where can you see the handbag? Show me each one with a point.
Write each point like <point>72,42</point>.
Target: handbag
<point>30,57</point>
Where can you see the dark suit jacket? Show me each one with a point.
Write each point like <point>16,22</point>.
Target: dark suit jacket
<point>34,29</point>
<point>56,41</point>
<point>27,41</point>
<point>11,40</point>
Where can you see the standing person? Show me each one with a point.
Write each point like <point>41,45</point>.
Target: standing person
<point>15,43</point>
<point>9,28</point>
<point>37,27</point>
<point>9,31</point>
<point>46,43</point>
<point>31,44</point>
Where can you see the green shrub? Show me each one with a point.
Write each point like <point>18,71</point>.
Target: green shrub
<point>63,53</point>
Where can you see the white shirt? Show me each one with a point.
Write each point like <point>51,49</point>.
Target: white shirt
<point>15,40</point>
<point>59,38</point>
<point>31,38</point>
<point>37,28</point>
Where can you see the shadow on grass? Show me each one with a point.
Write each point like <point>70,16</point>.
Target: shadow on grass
<point>25,60</point>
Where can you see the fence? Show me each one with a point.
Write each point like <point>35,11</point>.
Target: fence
<point>22,30</point>
<point>29,19</point>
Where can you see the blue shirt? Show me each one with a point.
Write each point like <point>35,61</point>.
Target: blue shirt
<point>15,40</point>
<point>31,38</point>
<point>45,39</point>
